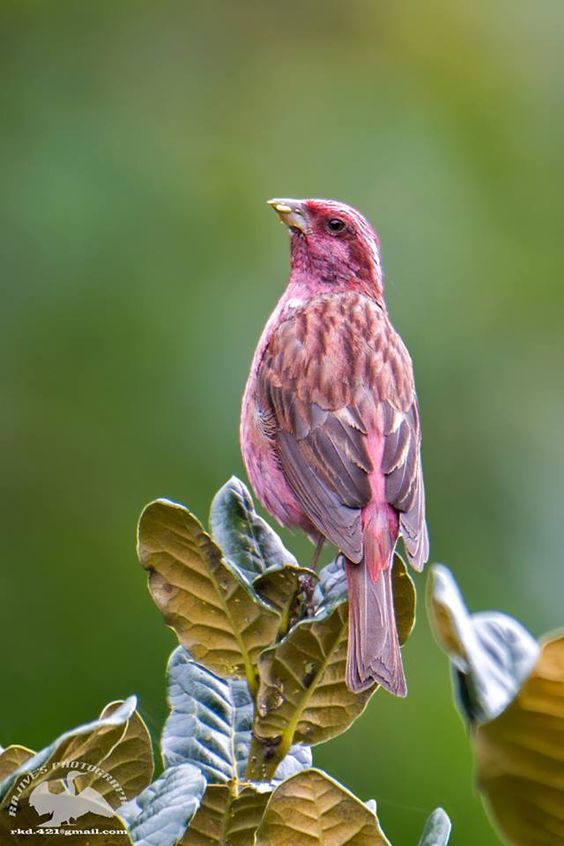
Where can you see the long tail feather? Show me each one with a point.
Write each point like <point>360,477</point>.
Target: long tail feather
<point>373,649</point>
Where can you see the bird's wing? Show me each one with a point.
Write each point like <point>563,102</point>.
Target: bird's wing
<point>327,376</point>
<point>401,465</point>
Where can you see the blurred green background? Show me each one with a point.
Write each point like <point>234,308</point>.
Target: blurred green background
<point>140,141</point>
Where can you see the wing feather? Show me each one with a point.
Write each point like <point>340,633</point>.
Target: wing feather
<point>327,382</point>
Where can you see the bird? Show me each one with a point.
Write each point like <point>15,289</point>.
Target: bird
<point>330,428</point>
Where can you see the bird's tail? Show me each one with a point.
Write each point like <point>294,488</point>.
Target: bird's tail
<point>373,650</point>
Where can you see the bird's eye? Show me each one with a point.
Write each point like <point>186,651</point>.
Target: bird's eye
<point>335,225</point>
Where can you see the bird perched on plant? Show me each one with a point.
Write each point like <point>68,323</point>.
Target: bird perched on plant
<point>330,429</point>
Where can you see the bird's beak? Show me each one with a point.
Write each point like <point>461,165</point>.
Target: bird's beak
<point>292,213</point>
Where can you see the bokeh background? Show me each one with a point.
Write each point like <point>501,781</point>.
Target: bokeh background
<point>139,263</point>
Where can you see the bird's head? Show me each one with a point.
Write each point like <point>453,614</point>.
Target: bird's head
<point>332,245</point>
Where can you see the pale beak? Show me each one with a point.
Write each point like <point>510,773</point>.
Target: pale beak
<point>291,213</point>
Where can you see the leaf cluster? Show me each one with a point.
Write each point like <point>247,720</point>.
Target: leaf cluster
<point>257,679</point>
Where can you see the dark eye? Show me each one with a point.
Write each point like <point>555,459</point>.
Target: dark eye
<point>335,225</point>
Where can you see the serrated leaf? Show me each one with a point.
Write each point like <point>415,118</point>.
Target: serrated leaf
<point>13,757</point>
<point>214,613</point>
<point>245,538</point>
<point>312,809</point>
<point>161,813</point>
<point>227,815</point>
<point>437,829</point>
<point>88,744</point>
<point>492,653</point>
<point>210,724</point>
<point>520,756</point>
<point>302,694</point>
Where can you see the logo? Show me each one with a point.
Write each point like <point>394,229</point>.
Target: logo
<point>59,793</point>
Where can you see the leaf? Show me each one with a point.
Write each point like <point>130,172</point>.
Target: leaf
<point>280,586</point>
<point>97,744</point>
<point>210,720</point>
<point>302,694</point>
<point>492,653</point>
<point>245,538</point>
<point>88,743</point>
<point>210,723</point>
<point>214,613</point>
<point>227,815</point>
<point>332,584</point>
<point>160,815</point>
<point>310,808</point>
<point>437,829</point>
<point>520,756</point>
<point>130,762</point>
<point>13,757</point>
<point>405,599</point>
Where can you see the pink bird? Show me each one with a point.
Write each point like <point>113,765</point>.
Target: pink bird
<point>330,429</point>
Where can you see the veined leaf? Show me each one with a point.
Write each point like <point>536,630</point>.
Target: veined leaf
<point>311,809</point>
<point>332,584</point>
<point>210,720</point>
<point>229,814</point>
<point>160,815</point>
<point>302,693</point>
<point>214,613</point>
<point>13,757</point>
<point>492,653</point>
<point>245,538</point>
<point>129,762</point>
<point>210,724</point>
<point>286,588</point>
<point>26,788</point>
<point>520,756</point>
<point>89,744</point>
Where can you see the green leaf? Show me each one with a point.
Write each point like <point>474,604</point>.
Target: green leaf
<point>437,829</point>
<point>311,809</point>
<point>214,613</point>
<point>160,815</point>
<point>302,694</point>
<point>491,653</point>
<point>210,724</point>
<point>228,815</point>
<point>246,539</point>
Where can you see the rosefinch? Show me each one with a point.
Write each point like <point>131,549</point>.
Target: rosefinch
<point>330,425</point>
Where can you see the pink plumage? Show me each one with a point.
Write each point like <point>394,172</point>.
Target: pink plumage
<point>330,425</point>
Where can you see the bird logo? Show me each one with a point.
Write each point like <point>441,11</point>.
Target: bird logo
<point>68,804</point>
